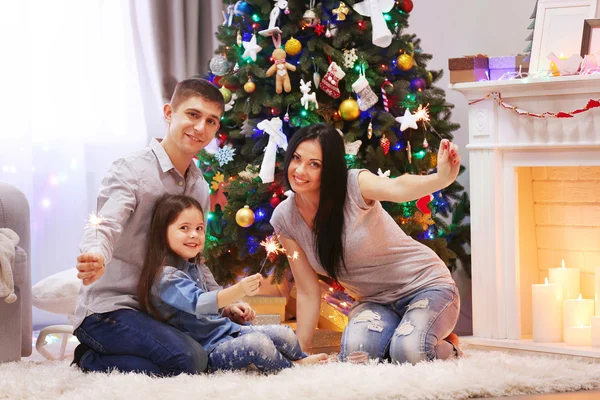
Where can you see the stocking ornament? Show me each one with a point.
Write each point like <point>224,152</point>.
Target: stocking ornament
<point>366,97</point>
<point>329,83</point>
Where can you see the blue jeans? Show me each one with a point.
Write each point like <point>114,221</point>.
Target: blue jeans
<point>269,347</point>
<point>411,329</point>
<point>132,341</point>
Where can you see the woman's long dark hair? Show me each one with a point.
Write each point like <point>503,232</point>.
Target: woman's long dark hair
<point>158,251</point>
<point>328,224</point>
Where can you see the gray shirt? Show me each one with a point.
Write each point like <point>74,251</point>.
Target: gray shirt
<point>383,263</point>
<point>126,201</point>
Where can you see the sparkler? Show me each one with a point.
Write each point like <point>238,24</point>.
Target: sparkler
<point>94,222</point>
<point>272,247</point>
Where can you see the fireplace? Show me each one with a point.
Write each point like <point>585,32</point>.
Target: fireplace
<point>535,200</point>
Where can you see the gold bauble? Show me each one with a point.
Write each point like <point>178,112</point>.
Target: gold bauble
<point>554,69</point>
<point>293,46</point>
<point>349,110</point>
<point>244,217</point>
<point>429,78</point>
<point>405,62</point>
<point>226,94</point>
<point>249,87</point>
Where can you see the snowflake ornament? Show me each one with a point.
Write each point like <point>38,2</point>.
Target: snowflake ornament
<point>350,58</point>
<point>224,155</point>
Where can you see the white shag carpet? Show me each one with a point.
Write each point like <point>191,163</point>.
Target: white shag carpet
<point>477,374</point>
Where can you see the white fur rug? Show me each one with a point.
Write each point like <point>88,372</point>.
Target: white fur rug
<point>477,374</point>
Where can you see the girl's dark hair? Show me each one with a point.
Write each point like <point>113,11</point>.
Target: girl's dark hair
<point>328,224</point>
<point>158,252</point>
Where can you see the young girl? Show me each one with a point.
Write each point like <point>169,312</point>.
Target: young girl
<point>185,295</point>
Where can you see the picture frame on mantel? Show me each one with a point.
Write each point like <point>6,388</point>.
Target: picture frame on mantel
<point>590,41</point>
<point>559,29</point>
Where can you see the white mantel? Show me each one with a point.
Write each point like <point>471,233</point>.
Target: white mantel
<point>500,141</point>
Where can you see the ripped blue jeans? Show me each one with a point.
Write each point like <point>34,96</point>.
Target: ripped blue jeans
<point>411,329</point>
<point>269,348</point>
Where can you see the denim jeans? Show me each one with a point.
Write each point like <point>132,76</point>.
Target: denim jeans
<point>412,329</point>
<point>131,341</point>
<point>269,348</point>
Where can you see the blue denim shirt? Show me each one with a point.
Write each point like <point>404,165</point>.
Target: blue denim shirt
<point>187,296</point>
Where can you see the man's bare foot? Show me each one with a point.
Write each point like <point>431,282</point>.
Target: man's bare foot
<point>312,359</point>
<point>453,338</point>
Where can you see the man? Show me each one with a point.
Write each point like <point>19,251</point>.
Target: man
<point>112,332</point>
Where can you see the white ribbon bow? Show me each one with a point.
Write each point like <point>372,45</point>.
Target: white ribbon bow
<point>276,139</point>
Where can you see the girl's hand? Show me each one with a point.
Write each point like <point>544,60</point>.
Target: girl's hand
<point>250,284</point>
<point>448,162</point>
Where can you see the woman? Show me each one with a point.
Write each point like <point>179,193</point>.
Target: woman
<point>407,303</point>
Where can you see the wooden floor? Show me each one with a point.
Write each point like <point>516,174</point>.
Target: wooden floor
<point>584,395</point>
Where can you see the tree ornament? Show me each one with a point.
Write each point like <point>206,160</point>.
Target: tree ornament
<point>238,38</point>
<point>382,37</point>
<point>225,155</point>
<point>244,217</point>
<point>349,110</point>
<point>217,197</point>
<point>418,84</point>
<point>408,120</point>
<point>282,79</point>
<point>319,29</point>
<point>329,83</point>
<point>409,151</point>
<point>366,97</point>
<point>425,143</point>
<point>219,65</point>
<point>350,58</point>
<point>406,5</point>
<point>405,62</point>
<point>249,87</point>
<point>384,97</point>
<point>251,49</point>
<point>308,99</point>
<point>370,130</point>
<point>293,46</point>
<point>277,139</point>
<point>274,201</point>
<point>429,78</point>
<point>316,75</point>
<point>385,144</point>
<point>423,202</point>
<point>342,11</point>
<point>273,29</point>
<point>310,18</point>
<point>226,94</point>
<point>230,103</point>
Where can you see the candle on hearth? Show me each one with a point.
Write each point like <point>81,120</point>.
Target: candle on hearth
<point>595,331</point>
<point>578,335</point>
<point>577,312</point>
<point>547,312</point>
<point>568,278</point>
<point>564,65</point>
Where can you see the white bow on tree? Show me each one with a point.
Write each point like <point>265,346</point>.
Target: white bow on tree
<point>382,37</point>
<point>277,139</point>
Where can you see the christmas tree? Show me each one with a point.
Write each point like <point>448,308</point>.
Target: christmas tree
<point>282,65</point>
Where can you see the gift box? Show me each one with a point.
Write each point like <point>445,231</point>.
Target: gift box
<point>499,66</point>
<point>268,305</point>
<point>469,69</point>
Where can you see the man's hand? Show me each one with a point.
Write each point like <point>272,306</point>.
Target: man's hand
<point>239,312</point>
<point>90,267</point>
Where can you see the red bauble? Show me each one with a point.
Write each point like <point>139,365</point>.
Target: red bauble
<point>274,201</point>
<point>407,6</point>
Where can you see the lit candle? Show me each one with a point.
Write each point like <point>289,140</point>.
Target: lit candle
<point>595,331</point>
<point>568,278</point>
<point>597,291</point>
<point>577,312</point>
<point>547,312</point>
<point>564,65</point>
<point>578,335</point>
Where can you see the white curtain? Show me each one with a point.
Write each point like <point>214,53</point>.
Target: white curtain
<point>71,103</point>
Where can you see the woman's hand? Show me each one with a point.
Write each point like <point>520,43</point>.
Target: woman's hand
<point>448,162</point>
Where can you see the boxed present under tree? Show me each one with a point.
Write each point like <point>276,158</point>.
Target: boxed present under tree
<point>468,69</point>
<point>499,66</point>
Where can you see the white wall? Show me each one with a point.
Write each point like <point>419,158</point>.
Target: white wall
<point>454,28</point>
